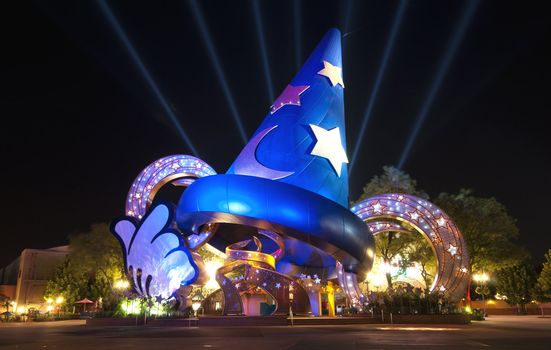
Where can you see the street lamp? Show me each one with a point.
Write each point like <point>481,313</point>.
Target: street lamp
<point>196,302</point>
<point>195,306</point>
<point>122,284</point>
<point>481,288</point>
<point>59,300</point>
<point>49,306</point>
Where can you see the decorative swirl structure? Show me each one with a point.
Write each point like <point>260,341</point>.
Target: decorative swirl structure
<point>404,213</point>
<point>259,273</point>
<point>179,169</point>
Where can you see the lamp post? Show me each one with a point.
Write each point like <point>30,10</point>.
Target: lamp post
<point>49,307</point>
<point>122,285</point>
<point>58,301</point>
<point>481,288</point>
<point>195,306</point>
<point>196,301</point>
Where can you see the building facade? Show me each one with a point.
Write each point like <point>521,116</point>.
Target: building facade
<point>24,280</point>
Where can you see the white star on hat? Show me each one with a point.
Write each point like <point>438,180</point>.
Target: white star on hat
<point>333,73</point>
<point>329,146</point>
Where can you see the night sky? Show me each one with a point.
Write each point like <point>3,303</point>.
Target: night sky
<point>79,121</point>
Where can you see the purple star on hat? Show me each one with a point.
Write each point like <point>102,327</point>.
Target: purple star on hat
<point>289,96</point>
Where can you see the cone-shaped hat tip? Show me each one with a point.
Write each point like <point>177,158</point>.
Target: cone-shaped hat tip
<point>302,139</point>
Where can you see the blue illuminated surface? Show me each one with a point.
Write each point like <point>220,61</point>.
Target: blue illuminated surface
<point>279,207</point>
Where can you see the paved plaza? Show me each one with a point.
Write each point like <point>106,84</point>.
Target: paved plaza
<point>499,332</point>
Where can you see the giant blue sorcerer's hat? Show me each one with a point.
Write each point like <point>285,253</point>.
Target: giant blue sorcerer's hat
<point>302,140</point>
<point>290,179</point>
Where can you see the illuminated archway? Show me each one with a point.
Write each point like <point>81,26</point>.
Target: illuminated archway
<point>403,212</point>
<point>179,169</point>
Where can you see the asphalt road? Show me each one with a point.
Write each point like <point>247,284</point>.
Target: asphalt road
<point>498,332</point>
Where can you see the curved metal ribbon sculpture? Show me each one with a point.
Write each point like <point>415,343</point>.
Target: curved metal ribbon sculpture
<point>259,273</point>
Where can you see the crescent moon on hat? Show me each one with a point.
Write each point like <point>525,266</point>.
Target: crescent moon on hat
<point>247,164</point>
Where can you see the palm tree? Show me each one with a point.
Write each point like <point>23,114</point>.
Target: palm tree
<point>6,302</point>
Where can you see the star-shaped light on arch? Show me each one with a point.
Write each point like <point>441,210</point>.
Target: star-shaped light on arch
<point>289,96</point>
<point>333,73</point>
<point>329,146</point>
<point>452,250</point>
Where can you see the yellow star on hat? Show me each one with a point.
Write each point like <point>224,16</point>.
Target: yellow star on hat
<point>333,73</point>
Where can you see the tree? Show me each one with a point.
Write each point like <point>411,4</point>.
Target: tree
<point>67,282</point>
<point>5,302</point>
<point>517,283</point>
<point>421,252</point>
<point>99,254</point>
<point>489,231</point>
<point>540,296</point>
<point>94,263</point>
<point>544,279</point>
<point>393,180</point>
<point>390,244</point>
<point>542,290</point>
